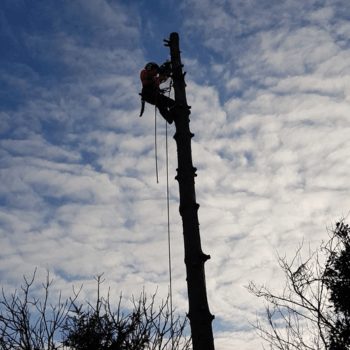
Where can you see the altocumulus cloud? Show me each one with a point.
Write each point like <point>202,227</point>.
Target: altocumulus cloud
<point>268,85</point>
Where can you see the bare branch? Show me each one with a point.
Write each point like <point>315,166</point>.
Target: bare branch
<point>301,316</point>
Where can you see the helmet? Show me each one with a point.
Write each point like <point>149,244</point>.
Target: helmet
<point>151,65</point>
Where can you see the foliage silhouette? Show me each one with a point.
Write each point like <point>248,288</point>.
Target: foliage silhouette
<point>28,323</point>
<point>312,310</point>
<point>337,281</point>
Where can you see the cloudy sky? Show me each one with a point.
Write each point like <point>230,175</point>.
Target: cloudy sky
<point>268,82</point>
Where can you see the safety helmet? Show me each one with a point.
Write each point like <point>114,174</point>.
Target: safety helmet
<point>151,65</point>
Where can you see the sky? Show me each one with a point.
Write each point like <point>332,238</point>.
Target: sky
<point>268,82</point>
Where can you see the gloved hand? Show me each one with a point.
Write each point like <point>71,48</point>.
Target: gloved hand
<point>165,69</point>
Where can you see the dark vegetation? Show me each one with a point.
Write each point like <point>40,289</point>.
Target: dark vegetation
<point>27,323</point>
<point>313,309</point>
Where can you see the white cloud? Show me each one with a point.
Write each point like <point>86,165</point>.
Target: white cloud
<point>270,117</point>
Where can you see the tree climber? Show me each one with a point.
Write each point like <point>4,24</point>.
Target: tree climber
<point>152,76</point>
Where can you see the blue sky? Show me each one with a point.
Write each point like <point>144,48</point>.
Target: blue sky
<point>268,82</point>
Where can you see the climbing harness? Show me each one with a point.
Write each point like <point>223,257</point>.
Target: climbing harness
<point>143,102</point>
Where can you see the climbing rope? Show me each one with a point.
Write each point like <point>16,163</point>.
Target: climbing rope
<point>168,89</point>
<point>168,206</point>
<point>169,245</point>
<point>155,138</point>
<point>168,209</point>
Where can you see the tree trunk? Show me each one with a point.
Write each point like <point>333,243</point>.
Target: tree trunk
<point>199,314</point>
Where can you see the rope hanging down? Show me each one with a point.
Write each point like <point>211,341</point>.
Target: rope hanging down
<point>168,89</point>
<point>168,210</point>
<point>155,138</point>
<point>167,192</point>
<point>169,245</point>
